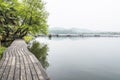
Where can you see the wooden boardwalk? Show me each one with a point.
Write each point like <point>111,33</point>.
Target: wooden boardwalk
<point>18,63</point>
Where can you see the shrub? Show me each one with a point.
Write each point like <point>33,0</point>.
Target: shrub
<point>40,51</point>
<point>2,49</point>
<point>28,38</point>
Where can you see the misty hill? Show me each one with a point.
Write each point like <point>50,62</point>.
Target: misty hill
<point>60,30</point>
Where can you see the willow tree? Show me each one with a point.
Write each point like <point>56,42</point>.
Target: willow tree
<point>19,18</point>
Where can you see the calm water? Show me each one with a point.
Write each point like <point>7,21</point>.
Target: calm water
<point>83,58</point>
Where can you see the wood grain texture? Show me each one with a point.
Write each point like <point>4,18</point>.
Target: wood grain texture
<point>18,63</point>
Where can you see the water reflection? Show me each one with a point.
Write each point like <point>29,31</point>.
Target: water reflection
<point>40,51</point>
<point>83,59</point>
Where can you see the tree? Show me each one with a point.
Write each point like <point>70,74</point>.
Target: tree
<point>19,18</point>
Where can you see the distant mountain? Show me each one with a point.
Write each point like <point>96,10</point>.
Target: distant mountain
<point>60,30</point>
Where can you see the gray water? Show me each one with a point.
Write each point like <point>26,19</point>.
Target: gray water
<point>83,58</point>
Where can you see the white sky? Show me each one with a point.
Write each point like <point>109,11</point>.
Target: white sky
<point>89,14</point>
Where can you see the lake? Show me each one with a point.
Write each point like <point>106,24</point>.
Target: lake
<point>83,58</point>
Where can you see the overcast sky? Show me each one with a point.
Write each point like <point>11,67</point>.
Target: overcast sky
<point>89,14</point>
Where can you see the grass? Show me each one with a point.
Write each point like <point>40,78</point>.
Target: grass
<point>2,49</point>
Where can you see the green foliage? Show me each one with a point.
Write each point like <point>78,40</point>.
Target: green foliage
<point>27,38</point>
<point>19,18</point>
<point>0,37</point>
<point>40,51</point>
<point>2,49</point>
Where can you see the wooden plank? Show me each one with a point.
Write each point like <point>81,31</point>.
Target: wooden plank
<point>3,64</point>
<point>12,69</point>
<point>17,66</point>
<point>22,66</point>
<point>18,63</point>
<point>36,61</point>
<point>39,64</point>
<point>27,69</point>
<point>7,69</point>
<point>34,74</point>
<point>36,68</point>
<point>3,59</point>
<point>42,69</point>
